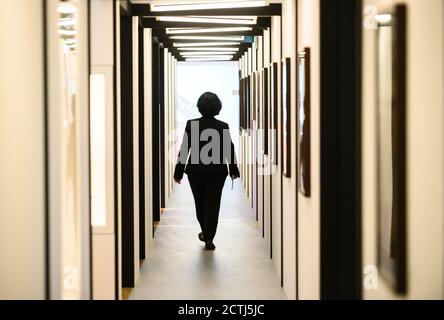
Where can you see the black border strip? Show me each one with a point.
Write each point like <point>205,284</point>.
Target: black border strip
<point>116,193</point>
<point>46,160</point>
<point>282,178</point>
<point>295,86</point>
<point>89,151</point>
<point>341,269</point>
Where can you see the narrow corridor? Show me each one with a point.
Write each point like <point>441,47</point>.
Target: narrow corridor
<point>335,112</point>
<point>179,268</point>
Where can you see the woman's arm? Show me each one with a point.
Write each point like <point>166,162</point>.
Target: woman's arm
<point>231,158</point>
<point>183,154</point>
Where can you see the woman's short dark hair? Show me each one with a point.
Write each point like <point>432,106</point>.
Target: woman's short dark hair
<point>209,104</point>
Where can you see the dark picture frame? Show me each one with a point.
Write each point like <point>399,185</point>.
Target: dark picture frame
<point>254,93</point>
<point>391,148</point>
<point>248,104</point>
<point>286,116</point>
<point>266,94</point>
<point>274,112</point>
<point>241,104</point>
<point>304,123</point>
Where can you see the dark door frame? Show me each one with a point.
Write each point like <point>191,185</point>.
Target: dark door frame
<point>142,204</point>
<point>156,130</point>
<point>162,128</point>
<point>341,22</point>
<point>127,149</point>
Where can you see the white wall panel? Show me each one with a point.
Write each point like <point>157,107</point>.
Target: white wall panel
<point>136,147</point>
<point>289,190</point>
<point>22,145</point>
<point>102,63</point>
<point>425,150</point>
<point>148,139</point>
<point>309,208</point>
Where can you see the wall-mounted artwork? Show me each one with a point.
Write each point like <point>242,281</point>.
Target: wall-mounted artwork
<point>286,116</point>
<point>391,143</point>
<point>266,110</point>
<point>254,95</point>
<point>274,112</point>
<point>241,103</point>
<point>303,117</point>
<point>248,103</point>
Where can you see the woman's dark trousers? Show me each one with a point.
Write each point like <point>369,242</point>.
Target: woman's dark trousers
<point>207,193</point>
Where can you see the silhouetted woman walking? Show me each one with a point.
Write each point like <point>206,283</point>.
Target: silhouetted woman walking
<point>207,156</point>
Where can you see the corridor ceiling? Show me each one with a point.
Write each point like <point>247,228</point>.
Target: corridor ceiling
<point>211,30</point>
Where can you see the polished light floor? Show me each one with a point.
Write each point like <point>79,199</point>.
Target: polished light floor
<point>179,268</point>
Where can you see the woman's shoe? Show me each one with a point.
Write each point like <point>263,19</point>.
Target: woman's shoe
<point>201,237</point>
<point>209,245</point>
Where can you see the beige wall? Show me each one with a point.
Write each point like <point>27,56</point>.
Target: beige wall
<point>289,185</point>
<point>309,208</point>
<point>22,176</point>
<point>277,176</point>
<point>102,62</point>
<point>136,147</point>
<point>425,152</point>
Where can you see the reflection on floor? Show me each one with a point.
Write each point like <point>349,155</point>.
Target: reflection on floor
<point>179,268</point>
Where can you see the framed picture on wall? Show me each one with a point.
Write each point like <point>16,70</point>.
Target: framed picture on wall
<point>258,95</point>
<point>391,147</point>
<point>241,104</point>
<point>248,103</point>
<point>266,106</point>
<point>286,116</point>
<point>303,121</point>
<point>254,93</point>
<point>274,112</point>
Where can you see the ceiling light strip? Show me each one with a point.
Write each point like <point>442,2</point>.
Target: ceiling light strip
<point>207,60</point>
<point>207,20</point>
<point>158,7</point>
<point>204,44</point>
<point>203,53</point>
<point>206,30</point>
<point>206,38</point>
<point>209,49</point>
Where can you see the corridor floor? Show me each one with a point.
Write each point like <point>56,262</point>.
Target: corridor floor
<point>179,268</point>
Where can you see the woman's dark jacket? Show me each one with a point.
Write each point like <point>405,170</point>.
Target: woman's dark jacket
<point>206,148</point>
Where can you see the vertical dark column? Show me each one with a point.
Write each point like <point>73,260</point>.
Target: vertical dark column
<point>156,132</point>
<point>142,222</point>
<point>162,127</point>
<point>127,150</point>
<point>340,149</point>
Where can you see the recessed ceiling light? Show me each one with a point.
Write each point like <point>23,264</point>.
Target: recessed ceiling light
<point>66,8</point>
<point>206,30</point>
<point>158,7</point>
<point>204,38</point>
<point>67,22</point>
<point>209,49</point>
<point>204,53</point>
<point>207,59</point>
<point>205,44</point>
<point>67,32</point>
<point>208,20</point>
<point>70,41</point>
